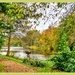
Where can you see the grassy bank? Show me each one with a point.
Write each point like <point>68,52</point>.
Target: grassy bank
<point>1,66</point>
<point>31,63</point>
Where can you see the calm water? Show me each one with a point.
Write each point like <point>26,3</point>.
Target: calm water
<point>19,53</point>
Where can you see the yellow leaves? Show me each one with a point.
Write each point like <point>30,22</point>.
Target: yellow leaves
<point>42,41</point>
<point>1,15</point>
<point>11,22</point>
<point>13,5</point>
<point>73,14</point>
<point>30,14</point>
<point>18,16</point>
<point>15,10</point>
<point>49,39</point>
<point>6,19</point>
<point>20,10</point>
<point>10,11</point>
<point>33,47</point>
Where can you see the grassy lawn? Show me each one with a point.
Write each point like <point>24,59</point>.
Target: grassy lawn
<point>39,69</point>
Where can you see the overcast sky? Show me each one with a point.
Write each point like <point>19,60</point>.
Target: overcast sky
<point>51,12</point>
<point>50,17</point>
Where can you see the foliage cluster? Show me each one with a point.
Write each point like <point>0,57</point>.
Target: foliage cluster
<point>65,58</point>
<point>38,63</point>
<point>64,61</point>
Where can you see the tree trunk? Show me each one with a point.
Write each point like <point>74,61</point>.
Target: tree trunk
<point>9,39</point>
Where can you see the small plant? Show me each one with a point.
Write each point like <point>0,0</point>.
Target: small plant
<point>37,63</point>
<point>25,60</point>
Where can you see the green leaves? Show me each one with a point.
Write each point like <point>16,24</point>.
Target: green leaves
<point>68,25</point>
<point>0,8</point>
<point>59,4</point>
<point>15,9</point>
<point>38,63</point>
<point>65,61</point>
<point>63,44</point>
<point>1,39</point>
<point>3,7</point>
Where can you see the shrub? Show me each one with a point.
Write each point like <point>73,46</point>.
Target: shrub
<point>63,44</point>
<point>65,61</point>
<point>42,63</point>
<point>37,63</point>
<point>33,62</point>
<point>25,60</point>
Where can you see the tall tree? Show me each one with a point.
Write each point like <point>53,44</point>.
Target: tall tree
<point>16,20</point>
<point>19,16</point>
<point>9,16</point>
<point>49,40</point>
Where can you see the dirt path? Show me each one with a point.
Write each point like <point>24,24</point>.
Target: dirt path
<point>11,66</point>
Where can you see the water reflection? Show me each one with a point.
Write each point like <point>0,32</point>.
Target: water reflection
<point>21,54</point>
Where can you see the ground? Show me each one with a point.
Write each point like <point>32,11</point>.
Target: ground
<point>11,66</point>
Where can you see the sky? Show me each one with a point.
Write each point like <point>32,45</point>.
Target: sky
<point>50,18</point>
<point>51,12</point>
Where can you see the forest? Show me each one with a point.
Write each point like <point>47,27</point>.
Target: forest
<point>18,28</point>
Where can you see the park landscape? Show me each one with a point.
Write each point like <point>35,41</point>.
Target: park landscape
<point>37,37</point>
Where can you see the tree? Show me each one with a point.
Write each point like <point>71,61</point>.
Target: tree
<point>9,16</point>
<point>12,19</point>
<point>64,60</point>
<point>68,28</point>
<point>19,20</point>
<point>49,40</point>
<point>32,38</point>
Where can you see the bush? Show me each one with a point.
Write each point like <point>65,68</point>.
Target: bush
<point>37,63</point>
<point>65,61</point>
<point>63,43</point>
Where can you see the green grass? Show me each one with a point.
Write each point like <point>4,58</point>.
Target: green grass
<point>12,58</point>
<point>39,69</point>
<point>1,66</point>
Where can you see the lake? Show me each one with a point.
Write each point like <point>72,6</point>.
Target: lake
<point>19,52</point>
